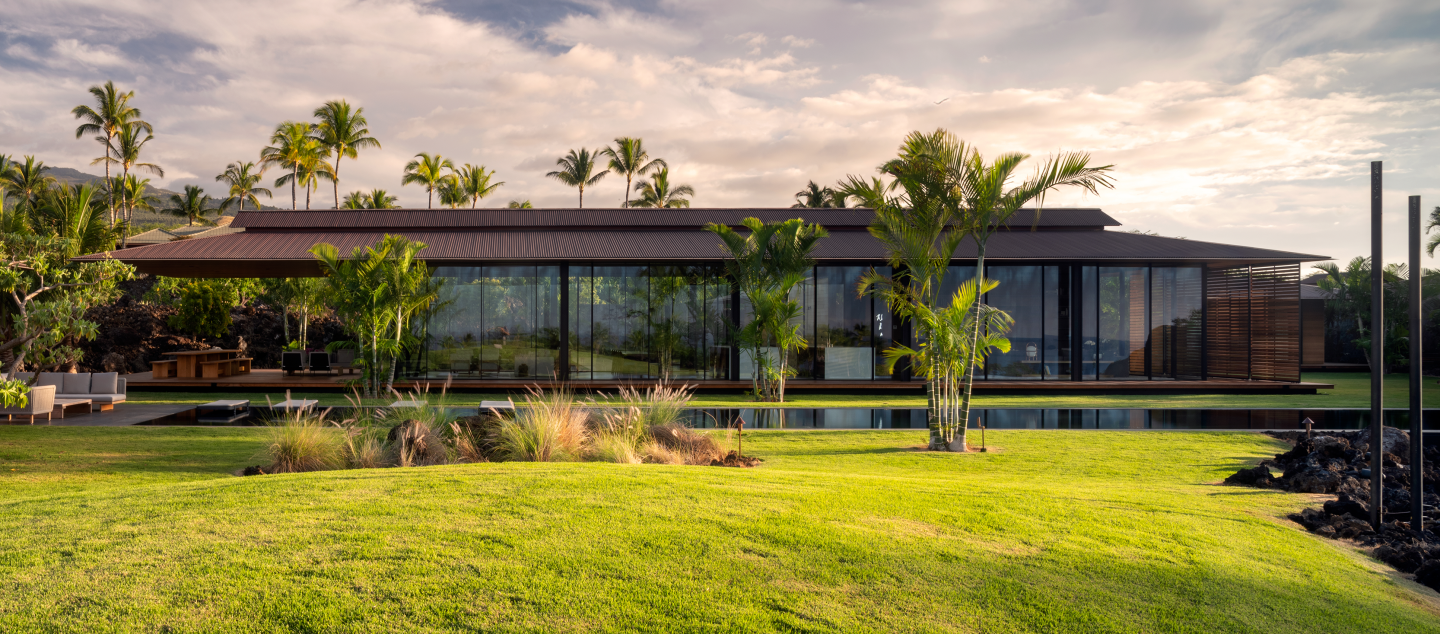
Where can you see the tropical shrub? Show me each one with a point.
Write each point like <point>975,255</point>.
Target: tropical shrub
<point>14,393</point>
<point>203,308</point>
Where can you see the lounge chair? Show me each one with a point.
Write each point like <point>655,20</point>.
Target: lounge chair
<point>41,401</point>
<point>345,360</point>
<point>320,362</point>
<point>292,362</point>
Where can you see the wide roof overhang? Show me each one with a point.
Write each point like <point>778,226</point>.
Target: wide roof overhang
<point>277,244</point>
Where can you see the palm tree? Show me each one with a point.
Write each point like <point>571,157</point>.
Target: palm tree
<point>1435,239</point>
<point>475,182</point>
<point>136,194</point>
<point>343,132</point>
<point>519,204</point>
<point>946,192</point>
<point>380,199</point>
<point>354,200</point>
<point>628,157</point>
<point>127,145</point>
<point>288,146</point>
<point>817,197</point>
<point>376,199</point>
<point>577,169</point>
<point>314,168</point>
<point>659,194</point>
<point>241,179</point>
<point>426,170</point>
<point>76,214</point>
<point>28,180</point>
<point>452,195</point>
<point>112,112</point>
<point>191,205</point>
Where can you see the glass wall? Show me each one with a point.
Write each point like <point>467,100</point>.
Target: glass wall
<point>636,322</point>
<point>495,322</point>
<point>649,322</point>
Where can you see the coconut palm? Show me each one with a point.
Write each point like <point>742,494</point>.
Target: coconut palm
<point>77,214</point>
<point>452,195</point>
<point>376,199</point>
<point>817,197</point>
<point>26,181</point>
<point>1435,239</point>
<point>519,204</point>
<point>428,171</point>
<point>342,131</point>
<point>112,111</point>
<point>628,157</point>
<point>475,182</point>
<point>191,205</point>
<point>577,169</point>
<point>241,179</point>
<point>126,146</point>
<point>313,168</point>
<point>354,200</point>
<point>136,194</point>
<point>288,146</point>
<point>660,194</point>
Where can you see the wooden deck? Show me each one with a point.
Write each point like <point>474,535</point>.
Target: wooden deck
<point>276,380</point>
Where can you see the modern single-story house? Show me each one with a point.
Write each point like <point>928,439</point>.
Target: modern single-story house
<point>614,295</point>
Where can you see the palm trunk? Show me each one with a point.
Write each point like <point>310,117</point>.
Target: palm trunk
<point>285,321</point>
<point>974,354</point>
<point>336,181</point>
<point>582,196</point>
<point>627,191</point>
<point>124,235</point>
<point>430,203</point>
<point>111,195</point>
<point>294,197</point>
<point>307,197</point>
<point>390,384</point>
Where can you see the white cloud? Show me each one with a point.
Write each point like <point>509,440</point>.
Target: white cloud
<point>1262,147</point>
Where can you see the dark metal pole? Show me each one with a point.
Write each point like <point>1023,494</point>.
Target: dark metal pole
<point>1417,413</point>
<point>1377,351</point>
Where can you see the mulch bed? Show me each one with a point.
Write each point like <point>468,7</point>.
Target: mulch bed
<point>733,459</point>
<point>1338,463</point>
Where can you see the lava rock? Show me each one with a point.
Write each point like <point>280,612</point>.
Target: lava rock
<point>1258,477</point>
<point>1346,505</point>
<point>1327,531</point>
<point>1428,574</point>
<point>1403,558</point>
<point>253,471</point>
<point>1312,480</point>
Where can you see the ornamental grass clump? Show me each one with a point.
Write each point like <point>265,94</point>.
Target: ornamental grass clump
<point>681,445</point>
<point>303,441</point>
<point>548,427</point>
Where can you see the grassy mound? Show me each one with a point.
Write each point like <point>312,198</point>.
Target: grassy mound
<point>142,529</point>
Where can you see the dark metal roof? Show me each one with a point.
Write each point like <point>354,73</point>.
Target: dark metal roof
<point>629,219</point>
<point>286,253</point>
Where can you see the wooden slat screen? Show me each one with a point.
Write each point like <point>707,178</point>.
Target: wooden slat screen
<point>1253,322</point>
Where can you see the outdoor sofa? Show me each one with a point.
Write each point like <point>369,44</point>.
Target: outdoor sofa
<point>104,389</point>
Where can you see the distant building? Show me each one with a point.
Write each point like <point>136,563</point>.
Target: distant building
<point>160,236</point>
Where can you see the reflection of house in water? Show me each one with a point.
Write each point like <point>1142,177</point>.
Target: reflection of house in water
<point>609,295</point>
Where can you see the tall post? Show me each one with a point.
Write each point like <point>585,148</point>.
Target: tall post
<point>1417,413</point>
<point>1377,352</point>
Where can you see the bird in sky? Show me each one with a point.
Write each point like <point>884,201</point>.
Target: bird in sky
<point>942,101</point>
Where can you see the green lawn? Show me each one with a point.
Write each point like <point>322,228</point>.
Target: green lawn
<point>1352,389</point>
<point>144,530</point>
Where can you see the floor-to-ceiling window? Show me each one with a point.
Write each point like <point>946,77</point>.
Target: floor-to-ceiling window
<point>1021,294</point>
<point>636,322</point>
<point>1140,323</point>
<point>495,321</point>
<point>844,324</point>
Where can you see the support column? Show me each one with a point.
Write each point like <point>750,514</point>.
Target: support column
<point>1417,413</point>
<point>1377,350</point>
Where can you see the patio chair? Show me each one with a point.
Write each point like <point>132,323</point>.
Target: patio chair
<point>345,360</point>
<point>320,362</point>
<point>291,362</point>
<point>41,401</point>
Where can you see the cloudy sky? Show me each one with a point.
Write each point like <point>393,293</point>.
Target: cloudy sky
<point>1241,122</point>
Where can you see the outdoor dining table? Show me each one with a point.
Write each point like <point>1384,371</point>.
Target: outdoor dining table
<point>189,364</point>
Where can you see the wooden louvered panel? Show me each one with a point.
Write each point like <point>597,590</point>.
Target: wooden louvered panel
<point>1253,322</point>
<point>1275,322</point>
<point>1227,327</point>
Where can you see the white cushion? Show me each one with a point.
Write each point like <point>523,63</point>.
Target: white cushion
<point>105,398</point>
<point>104,383</point>
<point>78,383</point>
<point>53,378</point>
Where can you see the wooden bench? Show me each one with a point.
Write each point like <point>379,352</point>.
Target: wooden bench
<point>162,369</point>
<point>224,367</point>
